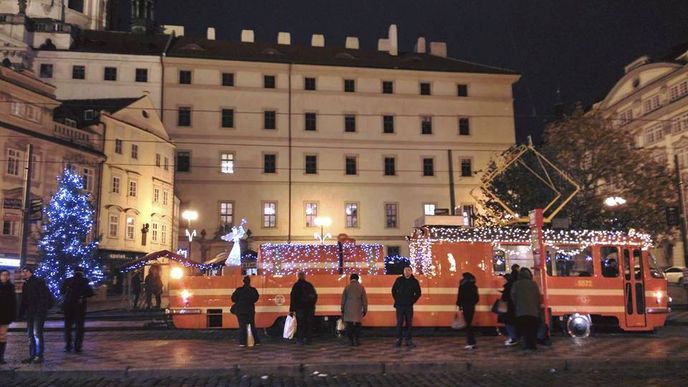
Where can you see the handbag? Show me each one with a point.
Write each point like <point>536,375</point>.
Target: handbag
<point>341,325</point>
<point>250,340</point>
<point>232,310</point>
<point>289,327</point>
<point>499,307</point>
<point>459,322</point>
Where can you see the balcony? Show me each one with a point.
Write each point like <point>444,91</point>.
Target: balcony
<point>75,135</point>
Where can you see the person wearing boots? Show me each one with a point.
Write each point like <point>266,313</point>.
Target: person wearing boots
<point>8,310</point>
<point>354,308</point>
<point>75,291</point>
<point>36,300</point>
<point>405,291</point>
<point>244,299</point>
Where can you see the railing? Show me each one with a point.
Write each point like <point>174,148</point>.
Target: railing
<point>74,135</point>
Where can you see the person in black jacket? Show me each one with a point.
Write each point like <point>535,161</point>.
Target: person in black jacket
<point>509,318</point>
<point>36,300</point>
<point>406,291</point>
<point>8,309</point>
<point>244,299</point>
<point>302,302</point>
<point>75,290</point>
<point>136,289</point>
<point>466,300</point>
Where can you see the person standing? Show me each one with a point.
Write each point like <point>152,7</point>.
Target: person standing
<point>526,295</point>
<point>509,318</point>
<point>136,289</point>
<point>302,302</point>
<point>244,299</point>
<point>36,300</point>
<point>354,308</point>
<point>466,300</point>
<point>75,291</point>
<point>153,287</point>
<point>406,291</point>
<point>8,310</point>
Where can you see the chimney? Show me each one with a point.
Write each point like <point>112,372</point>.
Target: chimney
<point>438,49</point>
<point>318,40</point>
<point>351,43</point>
<point>211,33</point>
<point>420,45</point>
<point>284,38</point>
<point>247,36</point>
<point>393,40</point>
<point>383,45</point>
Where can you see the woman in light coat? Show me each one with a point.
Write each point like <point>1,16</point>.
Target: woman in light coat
<point>354,308</point>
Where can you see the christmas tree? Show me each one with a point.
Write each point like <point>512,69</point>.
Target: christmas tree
<point>65,241</point>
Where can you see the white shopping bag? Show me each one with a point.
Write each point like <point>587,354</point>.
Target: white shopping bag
<point>341,325</point>
<point>289,327</point>
<point>250,340</point>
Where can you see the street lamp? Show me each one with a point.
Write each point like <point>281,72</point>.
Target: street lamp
<point>190,216</point>
<point>322,222</point>
<point>614,201</point>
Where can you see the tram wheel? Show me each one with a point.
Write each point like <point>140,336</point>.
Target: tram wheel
<point>578,325</point>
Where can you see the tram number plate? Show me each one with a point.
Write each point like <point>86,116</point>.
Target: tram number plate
<point>584,283</point>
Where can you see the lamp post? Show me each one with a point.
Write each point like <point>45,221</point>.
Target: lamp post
<point>613,202</point>
<point>190,216</point>
<point>322,222</point>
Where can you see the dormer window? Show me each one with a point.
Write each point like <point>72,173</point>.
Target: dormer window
<point>89,114</point>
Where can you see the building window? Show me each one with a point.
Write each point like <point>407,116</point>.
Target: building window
<point>269,163</point>
<point>467,212</point>
<point>228,79</point>
<point>466,168</point>
<point>310,121</point>
<point>227,118</point>
<point>226,213</point>
<point>391,210</point>
<point>311,164</point>
<point>184,116</point>
<point>156,195</point>
<point>270,119</point>
<point>89,179</point>
<point>625,117</point>
<point>157,160</point>
<point>9,228</point>
<point>269,81</point>
<point>141,75</point>
<point>426,125</point>
<point>429,209</point>
<point>680,123</point>
<point>425,88</point>
<point>132,188</point>
<point>131,228</point>
<point>393,251</point>
<point>110,73</point>
<point>678,91</point>
<point>18,108</point>
<point>163,234</point>
<point>388,124</point>
<point>165,197</point>
<point>46,70</point>
<point>309,83</point>
<point>428,167</point>
<point>78,72</point>
<point>227,163</point>
<point>134,151</point>
<point>464,126</point>
<point>387,87</point>
<point>651,104</point>
<point>13,160</point>
<point>154,232</point>
<point>351,212</point>
<point>390,168</point>
<point>350,165</point>
<point>113,225</point>
<point>115,184</point>
<point>118,146</point>
<point>350,123</point>
<point>166,164</point>
<point>183,161</point>
<point>270,214</point>
<point>654,134</point>
<point>462,90</point>
<point>184,77</point>
<point>311,213</point>
<point>682,155</point>
<point>349,85</point>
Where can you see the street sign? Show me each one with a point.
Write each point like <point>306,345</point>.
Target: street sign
<point>14,204</point>
<point>672,216</point>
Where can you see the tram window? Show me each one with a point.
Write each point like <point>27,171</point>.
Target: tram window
<point>499,262</point>
<point>570,262</point>
<point>627,265</point>
<point>610,261</point>
<point>638,265</point>
<point>655,272</point>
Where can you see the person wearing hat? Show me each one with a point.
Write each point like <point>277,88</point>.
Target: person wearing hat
<point>244,299</point>
<point>36,300</point>
<point>354,308</point>
<point>75,291</point>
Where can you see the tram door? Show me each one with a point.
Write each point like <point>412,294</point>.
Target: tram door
<point>634,288</point>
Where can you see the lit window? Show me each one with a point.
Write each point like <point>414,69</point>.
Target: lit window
<point>270,214</point>
<point>311,213</point>
<point>226,213</point>
<point>131,227</point>
<point>113,225</point>
<point>467,212</point>
<point>429,209</point>
<point>391,210</point>
<point>227,163</point>
<point>351,212</point>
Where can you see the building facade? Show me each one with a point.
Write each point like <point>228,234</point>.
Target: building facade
<point>651,102</point>
<point>26,117</point>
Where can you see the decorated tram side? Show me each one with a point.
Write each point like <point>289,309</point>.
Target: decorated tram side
<point>586,277</point>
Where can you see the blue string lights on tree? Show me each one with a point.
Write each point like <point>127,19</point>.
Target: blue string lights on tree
<point>66,236</point>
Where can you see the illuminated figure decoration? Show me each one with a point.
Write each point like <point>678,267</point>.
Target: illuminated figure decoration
<point>452,262</point>
<point>237,234</point>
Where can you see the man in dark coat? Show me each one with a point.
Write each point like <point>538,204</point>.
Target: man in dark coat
<point>466,301</point>
<point>154,287</point>
<point>244,299</point>
<point>8,309</point>
<point>406,291</point>
<point>302,302</point>
<point>526,295</point>
<point>136,289</point>
<point>75,291</point>
<point>36,300</point>
<point>509,318</point>
<point>354,307</point>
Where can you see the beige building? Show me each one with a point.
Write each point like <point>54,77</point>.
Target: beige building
<point>280,134</point>
<point>651,101</point>
<point>26,117</point>
<point>136,209</point>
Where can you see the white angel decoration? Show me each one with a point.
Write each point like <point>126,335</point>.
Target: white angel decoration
<point>237,234</point>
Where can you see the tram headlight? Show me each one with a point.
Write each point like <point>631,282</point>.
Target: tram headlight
<point>658,296</point>
<point>176,273</point>
<point>185,294</point>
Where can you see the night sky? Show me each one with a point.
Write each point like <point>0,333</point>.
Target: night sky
<point>577,46</point>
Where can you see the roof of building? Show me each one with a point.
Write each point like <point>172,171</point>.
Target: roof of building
<point>188,47</point>
<point>115,42</point>
<point>675,52</point>
<point>74,109</point>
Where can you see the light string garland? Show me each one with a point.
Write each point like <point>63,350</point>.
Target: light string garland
<point>202,267</point>
<point>288,258</point>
